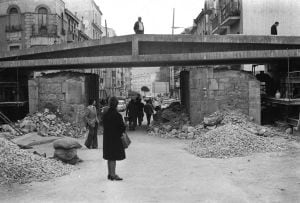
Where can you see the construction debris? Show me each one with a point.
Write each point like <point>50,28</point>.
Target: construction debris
<point>20,166</point>
<point>230,140</point>
<point>46,124</point>
<point>178,125</point>
<point>221,135</point>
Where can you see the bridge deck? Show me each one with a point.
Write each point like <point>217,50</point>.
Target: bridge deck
<point>155,50</point>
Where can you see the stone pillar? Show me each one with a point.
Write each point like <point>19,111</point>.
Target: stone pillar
<point>33,91</point>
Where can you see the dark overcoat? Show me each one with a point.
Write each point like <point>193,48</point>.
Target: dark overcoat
<point>113,127</point>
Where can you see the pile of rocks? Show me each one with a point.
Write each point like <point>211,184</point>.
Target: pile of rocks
<point>47,124</point>
<point>172,122</point>
<point>231,140</point>
<point>179,127</point>
<point>20,166</point>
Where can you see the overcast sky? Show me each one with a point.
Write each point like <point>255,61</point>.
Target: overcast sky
<point>156,14</point>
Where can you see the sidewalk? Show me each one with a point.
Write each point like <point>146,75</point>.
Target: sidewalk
<point>161,170</point>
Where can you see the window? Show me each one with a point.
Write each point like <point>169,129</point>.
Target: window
<point>14,19</point>
<point>42,17</point>
<point>14,47</point>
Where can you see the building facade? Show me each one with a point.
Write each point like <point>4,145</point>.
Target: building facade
<point>90,14</point>
<point>253,17</point>
<point>143,77</point>
<point>25,24</point>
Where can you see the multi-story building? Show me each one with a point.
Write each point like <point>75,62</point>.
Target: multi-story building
<point>143,77</point>
<point>25,24</point>
<point>91,15</point>
<point>253,17</point>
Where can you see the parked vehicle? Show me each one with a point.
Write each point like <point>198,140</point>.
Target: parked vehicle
<point>121,105</point>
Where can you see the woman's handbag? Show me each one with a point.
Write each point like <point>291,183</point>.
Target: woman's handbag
<point>125,140</point>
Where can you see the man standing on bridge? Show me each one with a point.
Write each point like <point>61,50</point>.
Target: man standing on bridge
<point>139,26</point>
<point>274,28</point>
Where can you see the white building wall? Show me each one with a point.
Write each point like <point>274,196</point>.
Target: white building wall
<point>259,15</point>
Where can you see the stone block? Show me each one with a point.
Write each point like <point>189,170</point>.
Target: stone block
<point>213,84</point>
<point>51,88</point>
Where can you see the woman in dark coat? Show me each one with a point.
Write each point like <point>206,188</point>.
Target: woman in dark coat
<point>113,149</point>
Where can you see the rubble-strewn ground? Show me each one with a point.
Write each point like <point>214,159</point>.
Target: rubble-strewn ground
<point>20,166</point>
<point>161,170</point>
<point>230,141</point>
<point>221,135</point>
<point>46,124</point>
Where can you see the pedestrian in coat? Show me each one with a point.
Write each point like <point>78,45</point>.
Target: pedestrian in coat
<point>131,112</point>
<point>92,122</point>
<point>140,110</point>
<point>139,26</point>
<point>148,109</point>
<point>113,128</point>
<point>274,28</point>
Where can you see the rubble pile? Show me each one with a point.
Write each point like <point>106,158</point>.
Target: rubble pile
<point>230,140</point>
<point>246,122</point>
<point>172,122</point>
<point>20,166</point>
<point>48,124</point>
<point>178,125</point>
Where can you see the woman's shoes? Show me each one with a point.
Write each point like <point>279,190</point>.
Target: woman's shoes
<point>115,177</point>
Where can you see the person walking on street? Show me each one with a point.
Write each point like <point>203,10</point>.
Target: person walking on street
<point>274,28</point>
<point>92,121</point>
<point>140,110</point>
<point>131,112</point>
<point>113,128</point>
<point>139,26</point>
<point>148,109</point>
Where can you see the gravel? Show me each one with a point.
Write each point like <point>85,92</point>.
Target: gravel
<point>231,140</point>
<point>20,166</point>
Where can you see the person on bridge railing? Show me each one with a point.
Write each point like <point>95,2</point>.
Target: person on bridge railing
<point>274,28</point>
<point>139,26</point>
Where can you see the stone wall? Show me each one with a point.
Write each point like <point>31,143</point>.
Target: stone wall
<point>216,89</point>
<point>63,92</point>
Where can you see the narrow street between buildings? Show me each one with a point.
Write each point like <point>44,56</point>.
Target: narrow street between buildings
<point>161,170</point>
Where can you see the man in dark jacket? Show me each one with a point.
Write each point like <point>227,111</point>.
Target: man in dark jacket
<point>131,112</point>
<point>139,26</point>
<point>140,110</point>
<point>274,28</point>
<point>148,109</point>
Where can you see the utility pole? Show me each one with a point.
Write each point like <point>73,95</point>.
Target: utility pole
<point>173,21</point>
<point>106,33</point>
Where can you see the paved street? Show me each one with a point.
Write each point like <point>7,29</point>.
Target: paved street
<point>161,170</point>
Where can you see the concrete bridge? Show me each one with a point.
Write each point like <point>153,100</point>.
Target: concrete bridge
<point>156,50</point>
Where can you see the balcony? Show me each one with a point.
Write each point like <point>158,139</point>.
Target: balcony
<point>13,28</point>
<point>215,22</point>
<point>216,27</point>
<point>49,30</point>
<point>71,36</point>
<point>230,13</point>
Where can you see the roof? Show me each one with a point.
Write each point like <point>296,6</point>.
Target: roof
<point>69,13</point>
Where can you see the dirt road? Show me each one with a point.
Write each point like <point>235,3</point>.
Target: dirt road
<point>161,170</point>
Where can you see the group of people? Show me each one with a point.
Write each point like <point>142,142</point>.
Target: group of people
<point>135,112</point>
